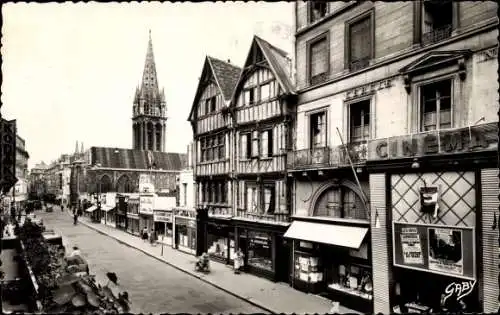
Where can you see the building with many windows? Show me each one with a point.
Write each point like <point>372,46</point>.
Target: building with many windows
<point>19,193</point>
<point>241,121</point>
<point>394,164</point>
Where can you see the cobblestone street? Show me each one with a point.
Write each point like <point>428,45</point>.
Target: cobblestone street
<point>153,286</point>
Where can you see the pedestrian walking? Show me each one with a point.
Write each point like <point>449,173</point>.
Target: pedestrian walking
<point>145,234</point>
<point>62,208</point>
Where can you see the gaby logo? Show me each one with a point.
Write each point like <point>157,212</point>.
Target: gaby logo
<point>461,289</point>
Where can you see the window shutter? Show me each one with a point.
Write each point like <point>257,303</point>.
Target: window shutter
<point>360,37</point>
<point>319,60</point>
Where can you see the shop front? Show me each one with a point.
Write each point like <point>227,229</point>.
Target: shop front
<point>266,254</point>
<point>443,256</point>
<point>121,212</point>
<point>133,216</point>
<point>108,215</point>
<point>220,240</point>
<point>163,225</point>
<point>435,213</point>
<point>330,237</point>
<point>332,259</point>
<point>146,203</point>
<point>184,231</point>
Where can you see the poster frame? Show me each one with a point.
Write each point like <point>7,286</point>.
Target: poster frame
<point>438,226</point>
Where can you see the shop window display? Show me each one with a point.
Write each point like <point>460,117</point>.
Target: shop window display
<point>186,238</point>
<point>308,268</point>
<point>218,246</point>
<point>354,279</point>
<point>260,251</point>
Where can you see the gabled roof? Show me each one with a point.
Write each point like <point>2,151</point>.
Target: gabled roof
<point>225,75</point>
<point>137,159</point>
<point>278,60</point>
<point>434,58</point>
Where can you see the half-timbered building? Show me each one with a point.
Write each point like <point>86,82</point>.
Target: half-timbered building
<point>212,130</point>
<point>262,108</point>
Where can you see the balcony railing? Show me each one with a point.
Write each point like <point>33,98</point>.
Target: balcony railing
<point>358,64</point>
<point>219,211</point>
<point>328,157</point>
<point>482,137</point>
<point>275,217</point>
<point>436,35</point>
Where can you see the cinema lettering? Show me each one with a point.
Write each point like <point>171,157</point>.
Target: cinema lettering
<point>443,142</point>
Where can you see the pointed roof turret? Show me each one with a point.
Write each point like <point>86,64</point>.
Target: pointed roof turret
<point>81,148</point>
<point>149,77</point>
<point>76,147</point>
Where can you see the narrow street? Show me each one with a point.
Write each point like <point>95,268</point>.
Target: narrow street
<point>153,286</point>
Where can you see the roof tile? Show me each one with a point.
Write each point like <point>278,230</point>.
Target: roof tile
<point>226,74</point>
<point>136,159</point>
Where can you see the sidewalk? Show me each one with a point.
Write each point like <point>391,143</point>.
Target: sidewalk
<point>270,296</point>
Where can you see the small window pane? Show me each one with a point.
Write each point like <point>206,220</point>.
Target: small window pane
<point>265,91</point>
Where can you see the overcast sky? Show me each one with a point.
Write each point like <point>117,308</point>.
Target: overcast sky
<point>70,70</point>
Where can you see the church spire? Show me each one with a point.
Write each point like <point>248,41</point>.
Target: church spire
<point>149,78</point>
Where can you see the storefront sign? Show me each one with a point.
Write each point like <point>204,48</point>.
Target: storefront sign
<point>411,247</point>
<point>459,289</point>
<point>146,204</point>
<point>368,89</point>
<point>445,251</point>
<point>439,249</point>
<point>162,216</point>
<point>475,138</point>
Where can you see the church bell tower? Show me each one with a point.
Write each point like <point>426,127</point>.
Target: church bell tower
<point>149,114</point>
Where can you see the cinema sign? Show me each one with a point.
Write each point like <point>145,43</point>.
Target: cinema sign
<point>476,138</point>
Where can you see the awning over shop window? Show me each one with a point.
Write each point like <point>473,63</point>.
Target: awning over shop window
<point>91,209</point>
<point>106,208</point>
<point>339,235</point>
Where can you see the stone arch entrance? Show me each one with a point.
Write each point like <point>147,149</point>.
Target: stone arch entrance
<point>340,199</point>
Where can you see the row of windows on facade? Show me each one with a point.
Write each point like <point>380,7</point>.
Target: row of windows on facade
<point>252,144</point>
<point>435,108</point>
<point>261,90</point>
<point>337,202</point>
<point>436,26</point>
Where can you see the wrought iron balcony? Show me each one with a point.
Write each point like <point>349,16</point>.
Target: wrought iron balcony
<point>274,217</point>
<point>328,157</point>
<point>436,35</point>
<point>217,210</point>
<point>358,64</point>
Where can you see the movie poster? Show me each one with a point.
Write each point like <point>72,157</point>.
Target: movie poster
<point>411,246</point>
<point>445,251</point>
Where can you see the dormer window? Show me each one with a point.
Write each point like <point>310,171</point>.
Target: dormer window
<point>317,10</point>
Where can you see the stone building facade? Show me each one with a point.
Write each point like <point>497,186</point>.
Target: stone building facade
<point>397,103</point>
